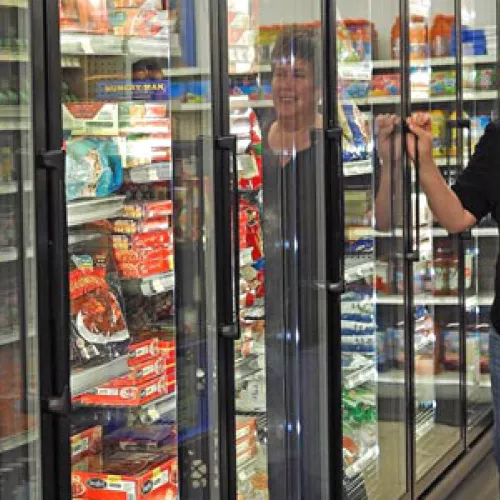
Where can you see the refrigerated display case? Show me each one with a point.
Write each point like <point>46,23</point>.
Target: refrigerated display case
<point>20,461</point>
<point>225,310</point>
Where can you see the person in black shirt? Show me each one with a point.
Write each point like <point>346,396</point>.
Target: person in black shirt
<point>475,194</point>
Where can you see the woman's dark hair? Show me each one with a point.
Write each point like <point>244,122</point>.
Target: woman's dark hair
<point>301,43</point>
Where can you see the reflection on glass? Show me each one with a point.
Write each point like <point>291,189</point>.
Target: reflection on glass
<point>283,328</point>
<point>436,275</point>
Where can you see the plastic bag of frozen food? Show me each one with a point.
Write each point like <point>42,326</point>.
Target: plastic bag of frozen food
<point>93,168</point>
<point>99,330</point>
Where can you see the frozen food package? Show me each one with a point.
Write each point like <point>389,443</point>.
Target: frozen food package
<point>98,326</point>
<point>94,167</point>
<point>150,438</point>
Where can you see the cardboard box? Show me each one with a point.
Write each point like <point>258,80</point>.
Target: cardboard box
<point>122,395</point>
<point>142,351</point>
<point>141,373</point>
<point>154,478</point>
<point>91,118</point>
<point>88,442</point>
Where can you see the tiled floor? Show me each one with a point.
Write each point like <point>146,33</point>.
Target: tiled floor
<point>481,484</point>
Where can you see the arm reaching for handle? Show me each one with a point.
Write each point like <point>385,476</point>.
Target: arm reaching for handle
<point>444,202</point>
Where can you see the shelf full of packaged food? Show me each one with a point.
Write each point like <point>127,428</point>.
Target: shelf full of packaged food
<point>150,285</point>
<point>13,442</point>
<point>426,300</point>
<point>358,269</point>
<point>85,379</point>
<point>114,45</point>
<point>154,172</point>
<point>445,378</point>
<point>361,167</point>
<point>90,210</point>
<point>469,95</point>
<point>246,366</point>
<point>8,56</point>
<point>18,4</point>
<point>348,67</point>
<point>369,456</point>
<point>363,375</point>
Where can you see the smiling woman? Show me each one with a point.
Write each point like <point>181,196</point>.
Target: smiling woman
<point>295,91</point>
<point>294,305</point>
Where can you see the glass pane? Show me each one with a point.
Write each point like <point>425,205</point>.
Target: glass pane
<point>19,421</point>
<point>274,62</point>
<point>373,322</point>
<point>481,106</point>
<point>139,159</point>
<point>436,274</point>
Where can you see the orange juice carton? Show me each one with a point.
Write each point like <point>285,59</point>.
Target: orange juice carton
<point>127,476</point>
<point>87,442</point>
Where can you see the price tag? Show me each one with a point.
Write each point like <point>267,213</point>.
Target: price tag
<point>87,46</point>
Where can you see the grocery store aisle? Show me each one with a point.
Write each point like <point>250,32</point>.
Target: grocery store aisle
<point>481,484</point>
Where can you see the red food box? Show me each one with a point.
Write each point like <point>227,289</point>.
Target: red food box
<point>144,270</point>
<point>142,372</point>
<point>168,350</point>
<point>127,476</point>
<point>147,210</point>
<point>142,240</point>
<point>142,351</point>
<point>141,226</point>
<point>245,426</point>
<point>87,442</point>
<point>132,395</point>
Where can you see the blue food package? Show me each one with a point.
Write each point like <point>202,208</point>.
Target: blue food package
<point>143,438</point>
<point>94,168</point>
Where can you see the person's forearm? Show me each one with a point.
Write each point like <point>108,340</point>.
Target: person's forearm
<point>383,213</point>
<point>443,202</point>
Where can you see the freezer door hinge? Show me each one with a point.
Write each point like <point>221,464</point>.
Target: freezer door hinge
<point>228,332</point>
<point>51,160</point>
<point>58,405</point>
<point>333,134</point>
<point>338,287</point>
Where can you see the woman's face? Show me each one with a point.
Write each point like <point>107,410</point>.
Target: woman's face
<point>293,88</point>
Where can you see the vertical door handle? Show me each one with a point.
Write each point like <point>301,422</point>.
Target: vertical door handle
<point>53,163</point>
<point>333,140</point>
<point>412,249</point>
<point>229,324</point>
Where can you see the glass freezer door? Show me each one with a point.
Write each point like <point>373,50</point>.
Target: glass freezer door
<point>374,317</point>
<point>275,68</point>
<point>480,60</point>
<point>20,476</point>
<point>137,131</point>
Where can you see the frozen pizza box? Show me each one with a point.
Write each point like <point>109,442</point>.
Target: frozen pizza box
<point>91,118</point>
<point>87,442</point>
<point>127,476</point>
<point>127,395</point>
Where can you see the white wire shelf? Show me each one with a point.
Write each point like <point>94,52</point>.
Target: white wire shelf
<point>12,442</point>
<point>89,378</point>
<point>85,211</point>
